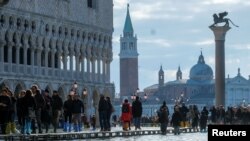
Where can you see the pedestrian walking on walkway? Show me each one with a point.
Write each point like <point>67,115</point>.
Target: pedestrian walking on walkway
<point>126,115</point>
<point>137,112</point>
<point>163,114</point>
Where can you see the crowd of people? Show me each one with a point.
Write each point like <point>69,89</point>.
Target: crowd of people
<point>184,116</point>
<point>35,109</point>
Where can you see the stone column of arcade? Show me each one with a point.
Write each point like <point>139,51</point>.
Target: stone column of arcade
<point>220,34</point>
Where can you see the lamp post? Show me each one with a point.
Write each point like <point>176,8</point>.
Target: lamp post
<point>145,96</point>
<point>137,91</point>
<point>243,102</point>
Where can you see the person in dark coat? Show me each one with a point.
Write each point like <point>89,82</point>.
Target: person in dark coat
<point>137,112</point>
<point>77,110</point>
<point>46,111</point>
<point>184,110</point>
<point>56,105</point>
<point>203,119</point>
<point>103,109</point>
<point>11,126</point>
<point>163,114</point>
<point>40,104</point>
<point>67,112</point>
<point>176,120</point>
<point>20,115</point>
<point>5,103</point>
<point>213,115</point>
<point>109,113</point>
<point>28,105</point>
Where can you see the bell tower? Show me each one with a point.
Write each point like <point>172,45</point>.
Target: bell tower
<point>161,77</point>
<point>128,59</point>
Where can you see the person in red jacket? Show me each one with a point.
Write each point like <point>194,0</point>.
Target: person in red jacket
<point>126,114</point>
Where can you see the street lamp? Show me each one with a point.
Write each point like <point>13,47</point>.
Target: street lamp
<point>145,96</point>
<point>243,102</point>
<point>133,96</point>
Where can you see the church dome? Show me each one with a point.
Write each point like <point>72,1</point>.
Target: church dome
<point>201,71</point>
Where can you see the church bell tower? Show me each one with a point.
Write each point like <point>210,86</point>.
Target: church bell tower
<point>128,59</point>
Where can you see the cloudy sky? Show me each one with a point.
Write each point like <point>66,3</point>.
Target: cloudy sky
<point>173,32</point>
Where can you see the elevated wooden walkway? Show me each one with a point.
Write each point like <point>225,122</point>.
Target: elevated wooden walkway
<point>88,134</point>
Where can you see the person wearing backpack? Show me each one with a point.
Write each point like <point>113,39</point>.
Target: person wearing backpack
<point>126,114</point>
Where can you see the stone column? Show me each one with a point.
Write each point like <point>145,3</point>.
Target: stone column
<point>10,45</point>
<point>220,34</point>
<point>38,59</point>
<point>93,74</point>
<point>83,68</point>
<point>71,61</point>
<point>53,52</point>
<point>18,54</point>
<point>2,56</point>
<point>2,52</point>
<point>65,61</point>
<point>88,69</point>
<point>77,63</point>
<point>104,70</point>
<point>108,71</point>
<point>99,69</point>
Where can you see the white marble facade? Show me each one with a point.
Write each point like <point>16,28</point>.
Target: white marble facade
<point>237,91</point>
<point>54,43</point>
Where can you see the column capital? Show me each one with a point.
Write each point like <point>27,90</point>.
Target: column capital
<point>220,31</point>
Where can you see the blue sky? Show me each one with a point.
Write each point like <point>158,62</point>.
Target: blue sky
<point>172,32</point>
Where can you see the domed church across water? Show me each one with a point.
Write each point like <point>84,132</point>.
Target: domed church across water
<point>198,89</point>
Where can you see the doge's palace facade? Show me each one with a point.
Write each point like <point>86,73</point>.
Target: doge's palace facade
<point>54,43</point>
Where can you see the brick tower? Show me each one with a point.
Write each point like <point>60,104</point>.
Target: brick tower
<point>128,59</point>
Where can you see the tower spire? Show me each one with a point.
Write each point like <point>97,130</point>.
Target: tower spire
<point>128,27</point>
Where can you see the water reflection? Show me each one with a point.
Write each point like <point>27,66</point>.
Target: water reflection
<point>168,137</point>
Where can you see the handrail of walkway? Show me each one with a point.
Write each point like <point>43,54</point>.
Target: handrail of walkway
<point>89,135</point>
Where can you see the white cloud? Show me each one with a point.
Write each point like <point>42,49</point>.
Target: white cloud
<point>158,42</point>
<point>210,60</point>
<point>233,61</point>
<point>205,42</point>
<point>241,46</point>
<point>213,2</point>
<point>120,4</point>
<point>116,39</point>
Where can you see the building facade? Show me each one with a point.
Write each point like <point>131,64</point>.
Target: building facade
<point>198,89</point>
<point>237,91</point>
<point>54,43</point>
<point>128,60</point>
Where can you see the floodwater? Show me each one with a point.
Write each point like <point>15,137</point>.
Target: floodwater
<point>168,137</point>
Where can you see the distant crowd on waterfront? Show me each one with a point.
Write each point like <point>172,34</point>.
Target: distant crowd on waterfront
<point>190,116</point>
<point>36,110</point>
